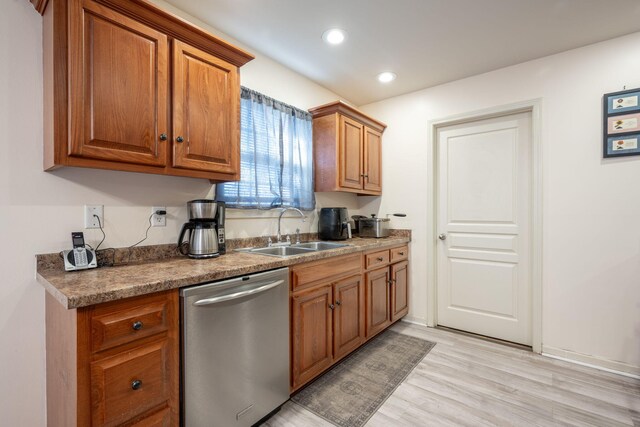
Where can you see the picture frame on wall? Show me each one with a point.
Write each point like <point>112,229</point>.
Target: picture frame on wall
<point>621,124</point>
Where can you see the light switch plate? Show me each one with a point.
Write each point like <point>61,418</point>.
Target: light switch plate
<point>90,221</point>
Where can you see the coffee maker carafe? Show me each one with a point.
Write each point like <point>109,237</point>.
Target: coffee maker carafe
<point>202,227</point>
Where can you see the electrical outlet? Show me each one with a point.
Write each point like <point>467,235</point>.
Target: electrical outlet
<point>158,220</point>
<point>90,221</point>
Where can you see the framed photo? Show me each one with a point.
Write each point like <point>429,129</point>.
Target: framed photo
<point>623,102</point>
<point>621,123</point>
<point>624,145</point>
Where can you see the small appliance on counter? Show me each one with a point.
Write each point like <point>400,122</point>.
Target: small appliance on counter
<point>206,219</point>
<point>375,227</point>
<point>356,222</point>
<point>333,224</point>
<point>79,258</point>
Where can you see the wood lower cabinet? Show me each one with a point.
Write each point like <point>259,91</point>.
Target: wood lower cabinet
<point>327,314</point>
<point>399,290</point>
<point>335,308</point>
<point>387,287</point>
<point>312,332</point>
<point>348,316</point>
<point>115,363</point>
<point>109,69</point>
<point>347,147</point>
<point>378,297</point>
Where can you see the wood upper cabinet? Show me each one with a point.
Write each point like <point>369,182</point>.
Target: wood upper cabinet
<point>372,160</point>
<point>312,350</point>
<point>114,364</point>
<point>109,69</point>
<point>347,147</point>
<point>351,158</point>
<point>118,103</point>
<point>205,111</point>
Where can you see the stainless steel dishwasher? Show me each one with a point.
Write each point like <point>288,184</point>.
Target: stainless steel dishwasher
<point>235,349</point>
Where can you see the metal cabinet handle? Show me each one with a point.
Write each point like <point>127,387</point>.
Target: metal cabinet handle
<point>401,253</point>
<point>237,295</point>
<point>163,137</point>
<point>137,325</point>
<point>442,236</point>
<point>331,306</point>
<point>136,384</point>
<point>338,302</point>
<point>179,139</point>
<point>380,259</point>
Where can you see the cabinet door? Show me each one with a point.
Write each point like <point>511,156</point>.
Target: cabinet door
<point>311,342</point>
<point>399,290</point>
<point>351,140</point>
<point>206,111</point>
<point>378,305</point>
<point>348,315</point>
<point>372,160</point>
<point>118,87</point>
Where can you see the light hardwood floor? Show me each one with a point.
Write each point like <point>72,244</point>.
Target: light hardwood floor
<point>466,381</point>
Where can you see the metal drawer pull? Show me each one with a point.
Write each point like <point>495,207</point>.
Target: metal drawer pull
<point>380,258</point>
<point>401,253</point>
<point>136,384</point>
<point>137,325</point>
<point>237,295</point>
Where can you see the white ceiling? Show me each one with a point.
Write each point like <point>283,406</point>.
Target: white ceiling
<point>425,42</point>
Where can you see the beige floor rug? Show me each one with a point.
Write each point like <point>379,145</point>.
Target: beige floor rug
<point>351,392</point>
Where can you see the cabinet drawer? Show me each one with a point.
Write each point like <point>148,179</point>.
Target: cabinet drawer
<point>376,259</point>
<point>161,418</point>
<point>126,321</point>
<point>399,254</point>
<point>128,384</point>
<point>306,275</point>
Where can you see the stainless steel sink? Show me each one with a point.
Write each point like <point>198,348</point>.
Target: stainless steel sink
<point>299,249</point>
<point>281,251</point>
<point>320,246</point>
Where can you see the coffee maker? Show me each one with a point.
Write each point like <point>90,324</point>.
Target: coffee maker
<point>206,229</point>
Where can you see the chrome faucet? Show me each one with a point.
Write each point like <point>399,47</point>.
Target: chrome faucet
<point>302,215</point>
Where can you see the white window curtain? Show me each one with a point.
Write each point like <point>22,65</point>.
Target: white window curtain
<point>276,163</point>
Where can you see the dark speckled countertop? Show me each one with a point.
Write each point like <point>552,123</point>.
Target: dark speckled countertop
<point>89,287</point>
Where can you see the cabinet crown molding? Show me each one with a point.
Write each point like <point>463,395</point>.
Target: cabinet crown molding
<point>172,25</point>
<point>349,111</point>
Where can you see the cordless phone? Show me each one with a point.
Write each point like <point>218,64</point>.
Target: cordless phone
<point>80,257</point>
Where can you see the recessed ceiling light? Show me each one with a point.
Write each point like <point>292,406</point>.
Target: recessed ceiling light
<point>386,77</point>
<point>334,36</point>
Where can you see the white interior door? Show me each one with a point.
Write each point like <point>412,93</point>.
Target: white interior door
<point>484,196</point>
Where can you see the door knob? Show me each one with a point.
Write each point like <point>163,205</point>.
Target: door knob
<point>442,236</point>
<point>179,139</point>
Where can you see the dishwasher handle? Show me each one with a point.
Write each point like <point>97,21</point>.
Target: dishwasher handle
<point>228,297</point>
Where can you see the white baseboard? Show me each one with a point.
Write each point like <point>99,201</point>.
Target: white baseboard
<point>612,366</point>
<point>414,320</point>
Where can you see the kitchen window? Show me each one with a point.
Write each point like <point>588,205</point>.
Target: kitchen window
<point>276,163</point>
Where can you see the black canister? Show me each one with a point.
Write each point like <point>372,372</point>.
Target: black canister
<point>332,224</point>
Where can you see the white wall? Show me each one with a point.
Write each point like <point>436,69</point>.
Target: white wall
<point>591,206</point>
<point>39,210</point>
